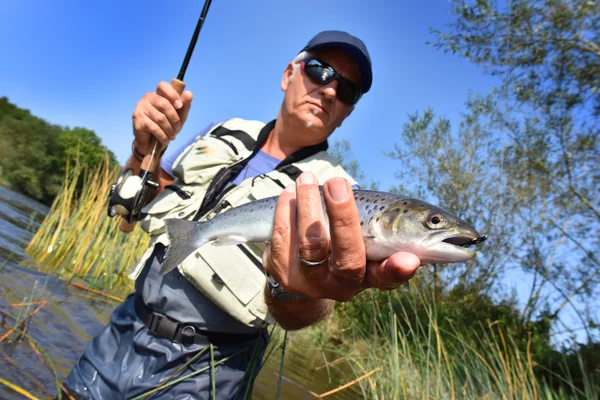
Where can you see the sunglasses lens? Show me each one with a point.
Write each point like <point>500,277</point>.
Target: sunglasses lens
<point>347,92</point>
<point>322,74</point>
<point>318,72</point>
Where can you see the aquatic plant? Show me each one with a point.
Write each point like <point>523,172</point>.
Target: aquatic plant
<point>77,239</point>
<point>435,357</point>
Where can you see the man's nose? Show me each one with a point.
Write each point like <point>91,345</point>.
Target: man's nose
<point>329,90</point>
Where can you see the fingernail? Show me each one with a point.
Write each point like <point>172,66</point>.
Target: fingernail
<point>338,189</point>
<point>178,104</point>
<point>291,188</point>
<point>307,178</point>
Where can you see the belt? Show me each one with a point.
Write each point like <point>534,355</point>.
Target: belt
<point>169,328</point>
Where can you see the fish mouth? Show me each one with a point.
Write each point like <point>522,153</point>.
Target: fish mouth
<point>446,247</point>
<point>465,240</point>
<point>457,243</point>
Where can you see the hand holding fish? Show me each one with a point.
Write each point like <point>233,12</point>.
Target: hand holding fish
<point>365,238</point>
<point>299,243</point>
<point>160,114</point>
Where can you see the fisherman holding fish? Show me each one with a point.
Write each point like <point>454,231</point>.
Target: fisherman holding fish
<point>255,224</point>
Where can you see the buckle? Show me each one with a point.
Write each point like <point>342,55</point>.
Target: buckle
<point>163,326</point>
<point>154,322</point>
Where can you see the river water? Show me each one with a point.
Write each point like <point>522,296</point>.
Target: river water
<point>71,317</point>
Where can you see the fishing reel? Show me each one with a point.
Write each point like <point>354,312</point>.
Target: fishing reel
<point>128,195</point>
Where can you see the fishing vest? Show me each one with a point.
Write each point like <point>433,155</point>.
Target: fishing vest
<point>233,276</point>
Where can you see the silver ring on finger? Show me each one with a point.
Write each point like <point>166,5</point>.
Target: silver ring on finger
<point>311,264</point>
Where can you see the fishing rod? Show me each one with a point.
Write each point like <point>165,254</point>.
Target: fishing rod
<point>128,194</point>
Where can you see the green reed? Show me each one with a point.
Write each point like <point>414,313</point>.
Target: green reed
<point>421,358</point>
<point>77,239</point>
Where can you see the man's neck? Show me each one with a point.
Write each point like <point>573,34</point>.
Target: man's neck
<point>289,137</point>
<point>281,142</point>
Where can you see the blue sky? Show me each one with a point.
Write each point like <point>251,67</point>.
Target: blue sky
<point>80,63</point>
<point>86,63</point>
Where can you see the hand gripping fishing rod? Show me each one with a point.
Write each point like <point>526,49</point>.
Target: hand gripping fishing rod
<point>128,195</point>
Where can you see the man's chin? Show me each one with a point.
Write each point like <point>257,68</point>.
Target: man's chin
<point>314,123</point>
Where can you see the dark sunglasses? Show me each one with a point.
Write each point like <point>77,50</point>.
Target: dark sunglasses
<point>347,91</point>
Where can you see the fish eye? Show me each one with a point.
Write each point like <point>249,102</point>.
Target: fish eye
<point>436,221</point>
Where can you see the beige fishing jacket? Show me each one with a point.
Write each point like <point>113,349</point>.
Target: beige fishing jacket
<point>230,276</point>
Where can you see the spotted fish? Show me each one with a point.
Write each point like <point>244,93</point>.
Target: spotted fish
<point>389,222</point>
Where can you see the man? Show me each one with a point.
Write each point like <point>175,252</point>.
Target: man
<point>219,299</point>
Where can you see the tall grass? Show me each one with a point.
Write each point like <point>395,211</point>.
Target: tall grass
<point>419,353</point>
<point>427,358</point>
<point>78,240</point>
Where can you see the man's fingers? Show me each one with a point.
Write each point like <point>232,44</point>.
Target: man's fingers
<point>160,118</point>
<point>165,115</point>
<point>186,98</point>
<point>393,272</point>
<point>153,129</point>
<point>313,241</point>
<point>299,231</point>
<point>167,91</point>
<point>284,242</point>
<point>160,114</point>
<point>347,243</point>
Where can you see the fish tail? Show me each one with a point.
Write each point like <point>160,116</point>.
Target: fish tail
<point>183,241</point>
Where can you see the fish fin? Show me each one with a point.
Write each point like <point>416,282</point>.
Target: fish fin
<point>229,240</point>
<point>181,242</point>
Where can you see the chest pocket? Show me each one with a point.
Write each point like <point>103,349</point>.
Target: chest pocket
<point>237,267</point>
<point>232,280</point>
<point>201,161</point>
<point>273,183</point>
<point>169,204</point>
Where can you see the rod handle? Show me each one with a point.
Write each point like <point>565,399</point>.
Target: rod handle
<point>150,162</point>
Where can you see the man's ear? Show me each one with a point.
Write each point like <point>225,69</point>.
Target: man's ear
<point>287,76</point>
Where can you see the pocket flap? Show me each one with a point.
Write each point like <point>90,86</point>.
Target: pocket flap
<point>237,271</point>
<point>166,200</point>
<point>264,186</point>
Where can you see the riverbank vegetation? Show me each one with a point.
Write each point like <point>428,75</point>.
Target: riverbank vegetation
<point>436,341</point>
<point>456,346</point>
<point>33,152</point>
<point>79,242</point>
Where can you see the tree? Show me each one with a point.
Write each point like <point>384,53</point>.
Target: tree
<point>34,153</point>
<point>464,173</point>
<point>545,118</point>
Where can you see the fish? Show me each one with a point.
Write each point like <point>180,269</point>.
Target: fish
<point>389,223</point>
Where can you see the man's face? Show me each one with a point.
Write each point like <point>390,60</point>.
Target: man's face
<point>316,105</point>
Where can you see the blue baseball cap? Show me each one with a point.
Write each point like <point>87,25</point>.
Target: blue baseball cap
<point>351,44</point>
